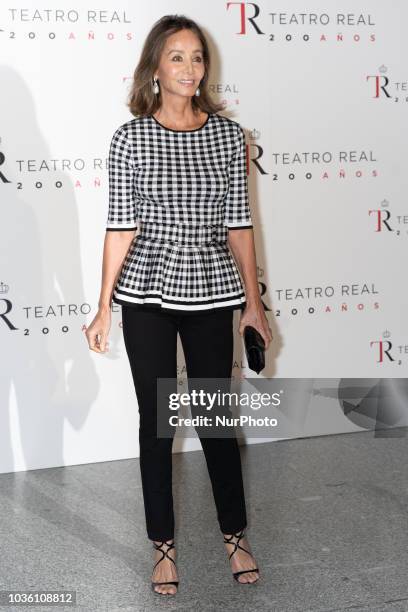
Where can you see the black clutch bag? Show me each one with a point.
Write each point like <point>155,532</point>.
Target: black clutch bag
<point>254,348</point>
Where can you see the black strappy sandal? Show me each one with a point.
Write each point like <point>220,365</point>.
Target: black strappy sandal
<point>240,535</point>
<point>175,582</point>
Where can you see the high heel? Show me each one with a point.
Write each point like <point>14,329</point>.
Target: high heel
<point>239,535</point>
<point>175,582</point>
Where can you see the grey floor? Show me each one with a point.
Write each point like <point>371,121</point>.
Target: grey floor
<point>327,524</point>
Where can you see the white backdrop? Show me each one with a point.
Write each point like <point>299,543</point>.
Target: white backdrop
<point>323,100</point>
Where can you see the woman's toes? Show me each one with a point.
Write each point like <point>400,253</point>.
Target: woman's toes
<point>244,578</point>
<point>166,590</point>
<point>248,577</point>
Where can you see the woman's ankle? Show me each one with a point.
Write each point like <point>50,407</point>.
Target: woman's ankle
<point>161,540</point>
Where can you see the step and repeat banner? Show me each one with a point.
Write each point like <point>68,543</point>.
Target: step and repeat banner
<point>323,99</point>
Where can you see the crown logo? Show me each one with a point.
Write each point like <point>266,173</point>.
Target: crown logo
<point>385,203</point>
<point>260,271</point>
<point>386,334</point>
<point>254,134</point>
<point>383,69</point>
<point>4,288</point>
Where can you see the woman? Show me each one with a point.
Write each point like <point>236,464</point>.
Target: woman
<point>177,172</point>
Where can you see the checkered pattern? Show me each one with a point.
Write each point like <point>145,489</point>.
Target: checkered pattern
<point>183,191</point>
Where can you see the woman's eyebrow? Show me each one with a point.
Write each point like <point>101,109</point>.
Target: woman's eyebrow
<point>181,51</point>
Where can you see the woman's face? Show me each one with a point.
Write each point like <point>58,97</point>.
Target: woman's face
<point>181,65</point>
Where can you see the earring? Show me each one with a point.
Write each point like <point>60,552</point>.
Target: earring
<point>197,92</point>
<point>155,86</point>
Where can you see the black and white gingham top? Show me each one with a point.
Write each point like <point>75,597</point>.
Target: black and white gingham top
<point>182,190</point>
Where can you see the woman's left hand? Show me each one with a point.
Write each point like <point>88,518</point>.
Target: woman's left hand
<point>254,315</point>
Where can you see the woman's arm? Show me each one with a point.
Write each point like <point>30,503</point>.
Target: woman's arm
<point>115,248</point>
<point>121,225</point>
<point>242,244</point>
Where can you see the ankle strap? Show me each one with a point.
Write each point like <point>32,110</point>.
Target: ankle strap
<point>164,553</point>
<point>239,535</point>
<point>158,546</point>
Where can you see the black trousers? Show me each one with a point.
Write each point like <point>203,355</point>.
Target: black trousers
<point>207,341</point>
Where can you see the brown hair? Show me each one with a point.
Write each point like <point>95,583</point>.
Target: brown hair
<point>142,100</point>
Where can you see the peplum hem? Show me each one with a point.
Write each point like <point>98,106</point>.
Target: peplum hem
<point>152,307</point>
<point>175,277</point>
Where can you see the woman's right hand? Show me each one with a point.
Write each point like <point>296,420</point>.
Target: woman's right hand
<point>98,330</point>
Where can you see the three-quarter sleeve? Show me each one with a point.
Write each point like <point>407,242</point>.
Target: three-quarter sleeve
<point>237,210</point>
<point>122,212</point>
